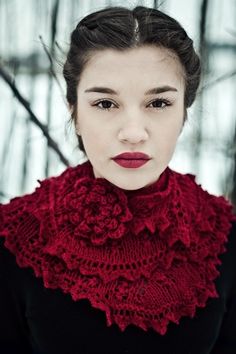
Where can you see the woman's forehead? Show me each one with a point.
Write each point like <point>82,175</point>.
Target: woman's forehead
<point>141,64</point>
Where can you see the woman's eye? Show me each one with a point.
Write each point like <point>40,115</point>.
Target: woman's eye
<point>105,104</point>
<point>108,105</point>
<point>160,103</point>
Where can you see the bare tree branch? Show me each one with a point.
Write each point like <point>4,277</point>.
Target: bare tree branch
<point>5,195</point>
<point>219,79</point>
<point>52,71</point>
<point>7,78</point>
<point>58,46</point>
<point>233,194</point>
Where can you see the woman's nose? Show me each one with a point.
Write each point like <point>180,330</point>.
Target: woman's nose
<point>133,130</point>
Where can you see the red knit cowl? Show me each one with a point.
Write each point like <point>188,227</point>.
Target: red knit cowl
<point>146,257</point>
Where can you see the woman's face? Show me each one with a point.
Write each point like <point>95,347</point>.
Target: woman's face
<point>130,101</point>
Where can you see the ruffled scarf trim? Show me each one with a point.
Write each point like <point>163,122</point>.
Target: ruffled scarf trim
<point>146,257</point>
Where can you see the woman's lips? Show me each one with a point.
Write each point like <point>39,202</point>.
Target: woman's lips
<point>131,159</point>
<point>131,163</point>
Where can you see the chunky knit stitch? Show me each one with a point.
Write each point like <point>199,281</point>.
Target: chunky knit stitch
<point>146,257</point>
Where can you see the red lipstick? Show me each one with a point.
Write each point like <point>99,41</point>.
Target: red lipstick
<point>131,159</point>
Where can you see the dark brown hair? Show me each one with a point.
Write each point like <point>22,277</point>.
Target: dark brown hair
<point>121,28</point>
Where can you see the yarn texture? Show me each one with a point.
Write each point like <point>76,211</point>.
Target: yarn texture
<point>145,257</point>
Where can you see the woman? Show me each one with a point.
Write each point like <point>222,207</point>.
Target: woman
<point>121,254</point>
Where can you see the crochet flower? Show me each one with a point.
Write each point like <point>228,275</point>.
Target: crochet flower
<point>97,210</point>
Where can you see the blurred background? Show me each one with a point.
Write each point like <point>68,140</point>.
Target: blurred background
<point>36,139</point>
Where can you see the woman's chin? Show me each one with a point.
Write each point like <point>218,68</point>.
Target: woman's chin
<point>130,183</point>
<point>128,179</point>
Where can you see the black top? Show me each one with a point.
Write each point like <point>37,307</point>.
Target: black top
<point>37,320</point>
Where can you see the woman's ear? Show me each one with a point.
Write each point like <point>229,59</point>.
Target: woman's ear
<point>184,120</point>
<point>77,128</point>
<point>70,108</point>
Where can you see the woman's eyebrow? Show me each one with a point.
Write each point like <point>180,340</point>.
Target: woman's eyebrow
<point>160,89</point>
<point>110,91</point>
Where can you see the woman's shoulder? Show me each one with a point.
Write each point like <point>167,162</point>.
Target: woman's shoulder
<point>231,243</point>
<point>227,263</point>
<point>11,274</point>
<point>7,259</point>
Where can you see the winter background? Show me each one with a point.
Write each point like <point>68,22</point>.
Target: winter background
<point>36,140</point>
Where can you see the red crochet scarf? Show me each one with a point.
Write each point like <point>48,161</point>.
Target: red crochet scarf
<point>145,257</point>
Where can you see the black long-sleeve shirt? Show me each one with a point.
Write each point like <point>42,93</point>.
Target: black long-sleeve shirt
<point>34,319</point>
